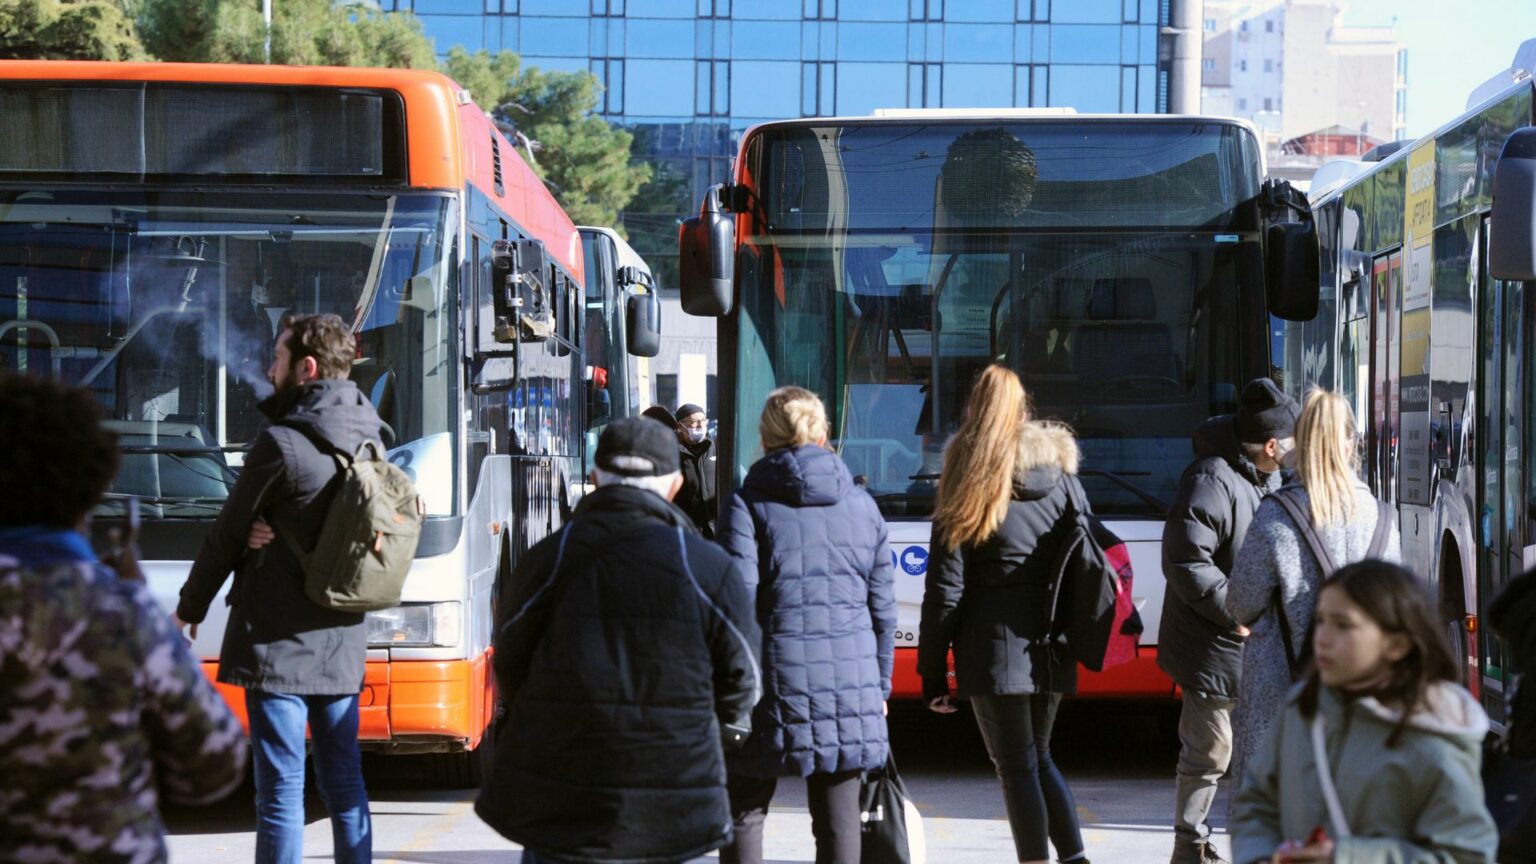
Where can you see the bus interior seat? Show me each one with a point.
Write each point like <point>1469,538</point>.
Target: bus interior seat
<point>1122,337</point>
<point>379,384</point>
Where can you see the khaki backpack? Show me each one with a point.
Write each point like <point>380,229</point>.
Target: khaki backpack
<point>368,540</point>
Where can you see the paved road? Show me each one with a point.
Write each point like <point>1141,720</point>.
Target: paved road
<point>1118,759</point>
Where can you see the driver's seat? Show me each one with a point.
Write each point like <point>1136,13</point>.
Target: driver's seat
<point>1123,337</point>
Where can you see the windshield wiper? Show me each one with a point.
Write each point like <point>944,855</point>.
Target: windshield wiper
<point>1151,500</point>
<point>168,500</point>
<point>182,451</point>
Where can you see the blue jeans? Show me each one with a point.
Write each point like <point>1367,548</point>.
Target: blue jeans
<point>277,741</point>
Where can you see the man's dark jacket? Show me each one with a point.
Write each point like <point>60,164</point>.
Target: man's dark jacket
<point>991,601</point>
<point>817,553</point>
<point>277,639</point>
<point>616,673</point>
<point>697,498</point>
<point>1198,645</point>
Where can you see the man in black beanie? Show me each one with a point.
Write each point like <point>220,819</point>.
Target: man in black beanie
<point>1237,462</point>
<point>697,452</point>
<point>626,662</point>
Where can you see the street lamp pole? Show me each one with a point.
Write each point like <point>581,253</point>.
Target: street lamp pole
<point>266,20</point>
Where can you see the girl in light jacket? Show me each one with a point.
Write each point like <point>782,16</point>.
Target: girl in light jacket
<point>1276,561</point>
<point>1003,493</point>
<point>1376,756</point>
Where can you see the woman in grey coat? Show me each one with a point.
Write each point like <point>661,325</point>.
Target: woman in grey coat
<point>1275,562</point>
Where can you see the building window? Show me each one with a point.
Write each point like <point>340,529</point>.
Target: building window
<point>1030,83</point>
<point>1269,104</point>
<point>1208,64</point>
<point>933,10</point>
<point>925,85</point>
<point>819,10</point>
<point>610,73</point>
<point>1030,10</point>
<point>714,9</point>
<point>1210,25</point>
<point>818,84</point>
<point>1242,104</point>
<point>1269,65</point>
<point>712,88</point>
<point>1269,26</point>
<point>1243,27</point>
<point>1402,65</point>
<point>1242,65</point>
<point>600,8</point>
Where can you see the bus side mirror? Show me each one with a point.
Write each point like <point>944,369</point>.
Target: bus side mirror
<point>642,324</point>
<point>706,245</point>
<point>1291,270</point>
<point>524,310</point>
<point>1512,226</point>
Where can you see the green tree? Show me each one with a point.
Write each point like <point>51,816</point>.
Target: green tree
<point>583,158</point>
<point>651,219</point>
<point>67,30</point>
<point>304,33</point>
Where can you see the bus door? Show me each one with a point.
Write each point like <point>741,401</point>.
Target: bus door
<point>1504,446</point>
<point>1386,315</point>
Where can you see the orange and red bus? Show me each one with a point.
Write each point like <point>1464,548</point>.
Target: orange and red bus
<point>1117,263</point>
<point>156,221</point>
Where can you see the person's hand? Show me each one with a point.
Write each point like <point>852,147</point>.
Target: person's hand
<point>1244,631</point>
<point>179,624</point>
<point>261,534</point>
<point>943,705</point>
<point>885,708</point>
<point>1292,852</point>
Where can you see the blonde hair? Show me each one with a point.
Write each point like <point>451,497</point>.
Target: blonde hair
<point>976,481</point>
<point>792,416</point>
<point>1326,459</point>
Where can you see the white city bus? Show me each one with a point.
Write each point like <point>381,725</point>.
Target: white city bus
<point>1425,325</point>
<point>1115,262</point>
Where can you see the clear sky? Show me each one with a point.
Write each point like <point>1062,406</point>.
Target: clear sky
<point>1453,46</point>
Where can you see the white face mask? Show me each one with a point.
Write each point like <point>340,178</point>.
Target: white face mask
<point>695,435</point>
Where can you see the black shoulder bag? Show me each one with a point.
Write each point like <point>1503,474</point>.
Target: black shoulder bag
<point>1325,565</point>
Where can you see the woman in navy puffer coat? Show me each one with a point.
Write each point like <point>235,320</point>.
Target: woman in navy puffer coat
<point>827,608</point>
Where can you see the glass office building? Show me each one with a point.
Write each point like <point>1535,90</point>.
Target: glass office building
<point>687,76</point>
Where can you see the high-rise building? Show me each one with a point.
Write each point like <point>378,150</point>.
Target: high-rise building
<point>1315,86</point>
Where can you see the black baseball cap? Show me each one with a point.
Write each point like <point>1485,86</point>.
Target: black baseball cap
<point>638,447</point>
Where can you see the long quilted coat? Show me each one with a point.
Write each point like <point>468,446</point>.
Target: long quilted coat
<point>827,608</point>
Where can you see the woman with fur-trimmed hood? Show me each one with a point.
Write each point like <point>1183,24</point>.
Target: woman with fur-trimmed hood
<point>1003,496</point>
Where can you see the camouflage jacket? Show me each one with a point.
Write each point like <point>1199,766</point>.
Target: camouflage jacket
<point>102,710</point>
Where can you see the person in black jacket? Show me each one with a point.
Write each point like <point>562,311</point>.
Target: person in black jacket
<point>997,526</point>
<point>697,453</point>
<point>1237,463</point>
<point>817,556</point>
<point>298,662</point>
<point>626,650</point>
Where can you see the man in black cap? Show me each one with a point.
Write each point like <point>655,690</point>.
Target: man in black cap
<point>626,660</point>
<point>697,497</point>
<point>1237,462</point>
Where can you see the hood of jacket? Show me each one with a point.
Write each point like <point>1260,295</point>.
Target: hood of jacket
<point>804,476</point>
<point>1446,710</point>
<point>1217,437</point>
<point>1046,452</point>
<point>331,409</point>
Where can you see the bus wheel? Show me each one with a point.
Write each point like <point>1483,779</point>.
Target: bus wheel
<point>460,770</point>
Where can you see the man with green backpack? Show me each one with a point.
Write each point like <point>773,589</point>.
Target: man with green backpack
<point>345,524</point>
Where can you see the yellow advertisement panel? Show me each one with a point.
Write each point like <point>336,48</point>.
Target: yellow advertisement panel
<point>1418,265</point>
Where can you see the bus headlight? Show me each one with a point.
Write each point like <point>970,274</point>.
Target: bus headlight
<point>417,624</point>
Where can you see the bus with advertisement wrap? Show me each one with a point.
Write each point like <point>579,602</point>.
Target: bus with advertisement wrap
<point>156,222</point>
<point>1425,325</point>
<point>1117,263</point>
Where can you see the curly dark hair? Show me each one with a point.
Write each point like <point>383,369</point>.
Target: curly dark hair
<point>56,460</point>
<point>324,337</point>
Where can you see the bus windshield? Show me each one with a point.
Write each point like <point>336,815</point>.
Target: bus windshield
<point>165,305</point>
<point>884,266</point>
